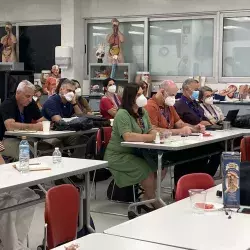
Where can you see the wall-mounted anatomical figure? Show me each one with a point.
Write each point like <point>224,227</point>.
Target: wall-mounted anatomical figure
<point>9,45</point>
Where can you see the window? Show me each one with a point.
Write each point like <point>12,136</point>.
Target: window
<point>236,47</point>
<point>181,47</point>
<point>133,46</point>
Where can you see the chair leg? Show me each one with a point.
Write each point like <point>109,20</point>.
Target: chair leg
<point>28,243</point>
<point>113,191</point>
<point>93,183</point>
<point>45,236</point>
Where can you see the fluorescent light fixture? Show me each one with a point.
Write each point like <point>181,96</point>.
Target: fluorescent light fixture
<point>99,34</point>
<point>136,33</point>
<point>239,19</point>
<point>177,31</point>
<point>100,28</point>
<point>230,27</point>
<point>154,27</point>
<point>138,25</point>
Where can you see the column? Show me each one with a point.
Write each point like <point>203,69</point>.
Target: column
<point>72,34</point>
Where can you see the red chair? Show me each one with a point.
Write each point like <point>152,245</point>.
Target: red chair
<point>103,136</point>
<point>245,148</point>
<point>61,215</point>
<point>192,181</point>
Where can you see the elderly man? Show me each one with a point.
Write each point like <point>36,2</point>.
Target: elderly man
<point>52,81</point>
<point>19,112</point>
<point>164,117</point>
<point>14,226</point>
<point>187,107</point>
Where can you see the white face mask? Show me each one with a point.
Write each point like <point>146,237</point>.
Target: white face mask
<point>69,96</point>
<point>78,92</point>
<point>209,100</point>
<point>35,98</point>
<point>141,101</point>
<point>170,101</point>
<point>112,89</point>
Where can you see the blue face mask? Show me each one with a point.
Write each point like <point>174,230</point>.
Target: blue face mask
<point>195,95</point>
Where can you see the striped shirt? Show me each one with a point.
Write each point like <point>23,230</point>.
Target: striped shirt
<point>1,147</point>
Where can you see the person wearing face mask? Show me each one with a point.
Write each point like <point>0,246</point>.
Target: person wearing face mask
<point>110,102</point>
<point>187,107</point>
<point>81,101</point>
<point>132,124</point>
<point>212,112</point>
<point>63,104</point>
<point>163,114</point>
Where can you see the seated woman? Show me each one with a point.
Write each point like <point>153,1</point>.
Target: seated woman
<point>81,101</point>
<point>14,226</point>
<point>128,165</point>
<point>37,96</point>
<point>110,102</point>
<point>212,112</point>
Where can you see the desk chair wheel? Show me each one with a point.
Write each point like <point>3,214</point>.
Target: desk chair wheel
<point>132,215</point>
<point>40,247</point>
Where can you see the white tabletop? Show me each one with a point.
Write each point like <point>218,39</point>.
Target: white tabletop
<point>179,143</point>
<point>11,179</point>
<point>177,225</point>
<point>108,242</point>
<point>50,134</point>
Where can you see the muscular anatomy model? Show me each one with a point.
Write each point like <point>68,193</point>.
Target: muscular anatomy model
<point>9,45</point>
<point>115,40</point>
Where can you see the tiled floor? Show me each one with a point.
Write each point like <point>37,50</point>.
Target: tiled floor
<point>102,221</point>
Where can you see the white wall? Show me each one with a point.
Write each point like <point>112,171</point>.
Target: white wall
<point>29,10</point>
<point>109,8</point>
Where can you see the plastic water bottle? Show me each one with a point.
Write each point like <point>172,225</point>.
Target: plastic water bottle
<point>24,155</point>
<point>57,157</point>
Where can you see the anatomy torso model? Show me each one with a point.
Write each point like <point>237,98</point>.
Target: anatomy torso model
<point>115,40</point>
<point>9,45</point>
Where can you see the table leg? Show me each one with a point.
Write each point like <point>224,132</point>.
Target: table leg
<point>232,145</point>
<point>226,143</point>
<point>158,191</point>
<point>87,197</point>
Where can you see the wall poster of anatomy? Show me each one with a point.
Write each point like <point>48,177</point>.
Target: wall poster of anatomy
<point>8,43</point>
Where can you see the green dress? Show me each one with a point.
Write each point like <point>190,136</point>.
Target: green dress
<point>127,167</point>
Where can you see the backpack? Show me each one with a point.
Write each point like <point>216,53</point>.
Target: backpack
<point>124,194</point>
<point>245,184</point>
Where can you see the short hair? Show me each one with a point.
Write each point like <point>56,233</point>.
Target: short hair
<point>25,84</point>
<point>67,81</point>
<point>166,83</point>
<point>38,89</point>
<point>202,90</point>
<point>187,82</point>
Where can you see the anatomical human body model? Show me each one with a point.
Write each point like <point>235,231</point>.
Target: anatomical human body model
<point>9,45</point>
<point>115,40</point>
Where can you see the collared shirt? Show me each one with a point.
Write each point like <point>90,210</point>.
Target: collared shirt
<point>190,111</point>
<point>161,116</point>
<point>54,106</point>
<point>9,110</point>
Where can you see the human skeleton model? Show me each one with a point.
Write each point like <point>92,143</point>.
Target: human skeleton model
<point>9,45</point>
<point>115,40</point>
<point>100,53</point>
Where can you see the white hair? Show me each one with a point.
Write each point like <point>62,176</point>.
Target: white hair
<point>25,84</point>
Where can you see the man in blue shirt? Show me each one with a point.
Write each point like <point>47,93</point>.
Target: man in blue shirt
<point>63,104</point>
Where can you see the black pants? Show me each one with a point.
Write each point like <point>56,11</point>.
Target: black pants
<point>207,165</point>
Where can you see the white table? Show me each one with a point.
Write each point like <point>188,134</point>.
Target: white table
<point>177,225</point>
<point>177,143</point>
<point>12,179</point>
<point>40,135</point>
<point>108,242</point>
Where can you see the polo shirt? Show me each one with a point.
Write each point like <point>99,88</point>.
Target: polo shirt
<point>190,111</point>
<point>9,110</point>
<point>54,106</point>
<point>161,116</point>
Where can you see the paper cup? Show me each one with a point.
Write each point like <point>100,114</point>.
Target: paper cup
<point>46,126</point>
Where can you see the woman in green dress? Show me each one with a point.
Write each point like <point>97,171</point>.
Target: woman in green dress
<point>132,124</point>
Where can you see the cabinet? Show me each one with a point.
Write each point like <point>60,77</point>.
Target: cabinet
<point>124,74</point>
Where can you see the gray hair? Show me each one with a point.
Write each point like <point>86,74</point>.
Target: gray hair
<point>67,81</point>
<point>166,83</point>
<point>25,84</point>
<point>187,82</point>
<point>202,90</point>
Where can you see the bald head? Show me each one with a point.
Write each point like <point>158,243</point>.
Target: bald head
<point>169,87</point>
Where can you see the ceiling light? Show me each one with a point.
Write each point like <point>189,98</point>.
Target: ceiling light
<point>136,33</point>
<point>100,28</point>
<point>177,31</point>
<point>138,25</point>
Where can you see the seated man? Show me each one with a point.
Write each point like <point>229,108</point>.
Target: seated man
<point>14,226</point>
<point>187,107</point>
<point>64,105</point>
<point>19,112</point>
